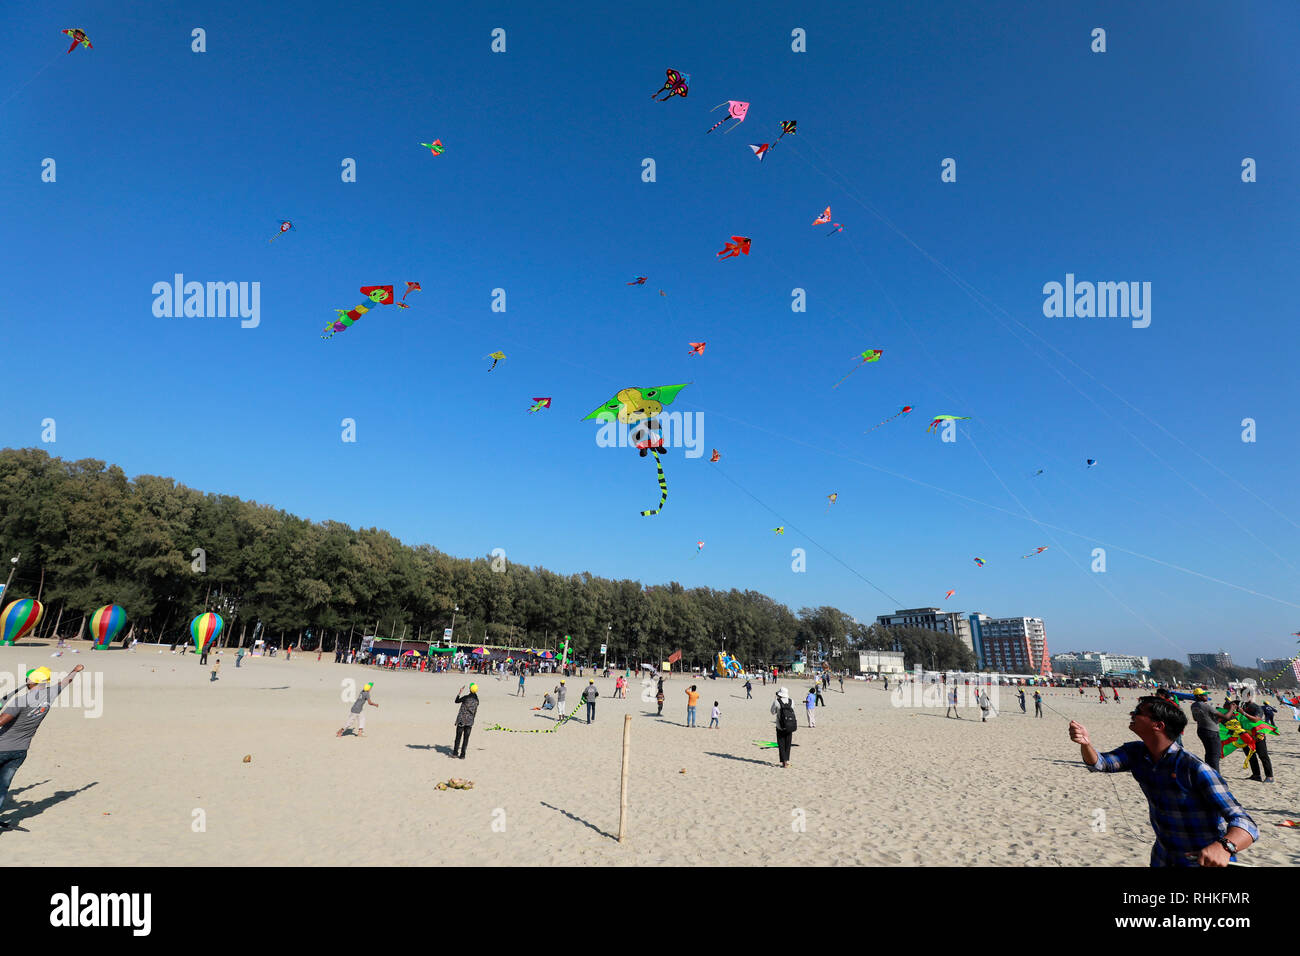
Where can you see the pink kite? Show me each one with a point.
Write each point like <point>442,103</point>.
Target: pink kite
<point>735,110</point>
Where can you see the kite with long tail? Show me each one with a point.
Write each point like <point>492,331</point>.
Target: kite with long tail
<point>902,411</point>
<point>870,355</point>
<point>375,294</point>
<point>735,110</point>
<point>495,357</point>
<point>640,406</point>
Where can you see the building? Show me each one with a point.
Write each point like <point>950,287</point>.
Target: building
<point>1271,665</point>
<point>1015,645</point>
<point>932,619</point>
<point>977,621</point>
<point>880,662</point>
<point>1100,664</point>
<point>1220,659</point>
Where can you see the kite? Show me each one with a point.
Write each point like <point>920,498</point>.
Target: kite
<point>902,411</point>
<point>830,499</point>
<point>824,218</point>
<point>639,280</point>
<point>787,126</point>
<point>1032,553</point>
<point>411,287</point>
<point>697,348</point>
<point>735,110</point>
<point>538,403</point>
<point>949,594</point>
<point>435,147</point>
<point>1091,462</point>
<point>738,246</point>
<point>1242,732</point>
<point>559,722</point>
<point>838,228</point>
<point>780,529</point>
<point>870,355</point>
<point>980,562</point>
<point>677,84</point>
<point>760,149</point>
<point>78,36</point>
<point>1037,473</point>
<point>661,291</point>
<point>495,357</point>
<point>940,419</point>
<point>631,405</point>
<point>377,294</point>
<point>699,546</point>
<point>285,226</point>
<point>715,456</point>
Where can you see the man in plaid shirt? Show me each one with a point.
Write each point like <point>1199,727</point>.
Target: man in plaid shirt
<point>1198,822</point>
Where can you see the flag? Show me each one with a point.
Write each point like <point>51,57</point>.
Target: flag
<point>675,657</point>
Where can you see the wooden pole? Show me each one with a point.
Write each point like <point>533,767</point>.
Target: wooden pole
<point>622,795</point>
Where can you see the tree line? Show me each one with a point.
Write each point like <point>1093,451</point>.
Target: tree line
<point>89,536</point>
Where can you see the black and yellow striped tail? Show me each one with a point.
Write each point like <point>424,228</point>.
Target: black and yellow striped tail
<point>663,484</point>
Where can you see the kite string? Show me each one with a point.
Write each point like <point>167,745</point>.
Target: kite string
<point>33,76</point>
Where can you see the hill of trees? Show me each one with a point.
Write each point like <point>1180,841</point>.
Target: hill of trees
<point>89,536</point>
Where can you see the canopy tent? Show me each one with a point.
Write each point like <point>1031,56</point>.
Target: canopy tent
<point>441,650</point>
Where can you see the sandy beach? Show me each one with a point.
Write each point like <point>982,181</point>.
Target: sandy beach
<point>157,776</point>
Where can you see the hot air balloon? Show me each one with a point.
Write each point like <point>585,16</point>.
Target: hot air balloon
<point>19,618</point>
<point>204,629</point>
<point>106,624</point>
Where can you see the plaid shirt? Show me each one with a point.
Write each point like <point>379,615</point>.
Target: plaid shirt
<point>1191,806</point>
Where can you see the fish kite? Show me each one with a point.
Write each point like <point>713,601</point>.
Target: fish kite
<point>411,287</point>
<point>641,405</point>
<point>495,357</point>
<point>78,36</point>
<point>760,149</point>
<point>830,499</point>
<point>377,294</point>
<point>677,84</point>
<point>285,226</point>
<point>435,147</point>
<point>1032,553</point>
<point>949,594</point>
<point>538,403</point>
<point>980,562</point>
<point>780,529</point>
<point>696,348</point>
<point>735,110</point>
<point>739,245</point>
<point>639,280</point>
<point>902,411</point>
<point>824,218</point>
<point>715,455</point>
<point>940,419</point>
<point>870,355</point>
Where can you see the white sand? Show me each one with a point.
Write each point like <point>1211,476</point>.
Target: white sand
<point>875,784</point>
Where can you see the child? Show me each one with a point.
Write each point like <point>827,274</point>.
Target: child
<point>713,719</point>
<point>216,669</point>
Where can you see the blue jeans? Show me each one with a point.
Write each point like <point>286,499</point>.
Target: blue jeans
<point>10,761</point>
<point>690,716</point>
<point>591,711</point>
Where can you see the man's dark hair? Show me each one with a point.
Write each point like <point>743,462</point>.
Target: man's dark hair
<point>1167,713</point>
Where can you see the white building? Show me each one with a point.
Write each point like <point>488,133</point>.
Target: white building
<point>1100,664</point>
<point>880,662</point>
<point>955,623</point>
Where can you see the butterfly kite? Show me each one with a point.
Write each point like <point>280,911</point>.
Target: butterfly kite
<point>738,246</point>
<point>637,405</point>
<point>940,419</point>
<point>78,36</point>
<point>410,287</point>
<point>538,403</point>
<point>639,280</point>
<point>376,294</point>
<point>870,355</point>
<point>285,226</point>
<point>735,110</point>
<point>980,562</point>
<point>715,455</point>
<point>1032,553</point>
<point>902,411</point>
<point>495,357</point>
<point>677,84</point>
<point>696,348</point>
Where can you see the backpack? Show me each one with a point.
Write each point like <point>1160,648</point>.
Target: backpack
<point>786,721</point>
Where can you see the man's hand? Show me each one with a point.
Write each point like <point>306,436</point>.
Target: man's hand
<point>1216,854</point>
<point>1079,734</point>
<point>79,667</point>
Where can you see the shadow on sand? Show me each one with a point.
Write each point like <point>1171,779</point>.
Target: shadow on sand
<point>578,819</point>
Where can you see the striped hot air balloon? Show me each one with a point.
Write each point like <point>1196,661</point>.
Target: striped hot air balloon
<point>106,624</point>
<point>205,629</point>
<point>19,618</point>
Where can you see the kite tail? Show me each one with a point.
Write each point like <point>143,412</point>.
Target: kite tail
<point>74,46</point>
<point>494,365</point>
<point>345,320</point>
<point>855,368</point>
<point>663,485</point>
<point>706,132</point>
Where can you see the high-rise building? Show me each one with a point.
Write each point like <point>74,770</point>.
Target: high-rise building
<point>1015,645</point>
<point>932,619</point>
<point>1271,665</point>
<point>1219,659</point>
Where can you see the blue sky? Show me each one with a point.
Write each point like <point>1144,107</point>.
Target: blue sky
<point>1122,166</point>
